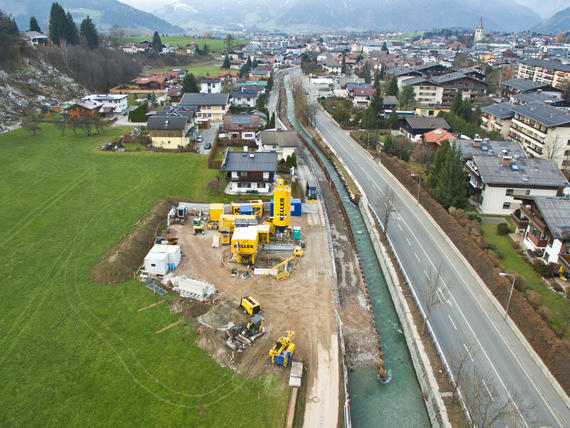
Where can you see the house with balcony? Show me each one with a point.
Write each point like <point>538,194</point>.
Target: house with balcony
<point>543,131</point>
<point>209,106</point>
<point>426,92</point>
<point>470,87</point>
<point>497,117</point>
<point>117,103</point>
<point>544,223</point>
<point>552,73</point>
<point>283,142</point>
<point>209,85</point>
<point>361,97</point>
<point>250,172</point>
<point>240,127</point>
<point>415,127</point>
<point>244,98</point>
<point>495,181</point>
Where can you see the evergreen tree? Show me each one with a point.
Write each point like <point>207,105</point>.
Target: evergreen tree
<point>377,79</point>
<point>377,101</point>
<point>457,103</point>
<point>271,124</point>
<point>156,42</point>
<point>394,120</point>
<point>34,25</point>
<point>189,84</point>
<point>447,177</point>
<point>248,62</point>
<point>88,30</point>
<point>343,65</point>
<point>254,64</point>
<point>370,119</point>
<point>205,49</point>
<point>70,32</point>
<point>393,87</point>
<point>10,41</point>
<point>408,97</point>
<point>385,47</point>
<point>567,93</point>
<point>226,63</point>
<point>57,23</point>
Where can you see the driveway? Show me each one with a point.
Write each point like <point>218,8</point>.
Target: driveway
<point>208,136</point>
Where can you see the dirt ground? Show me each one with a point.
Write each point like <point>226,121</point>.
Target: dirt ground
<point>302,303</point>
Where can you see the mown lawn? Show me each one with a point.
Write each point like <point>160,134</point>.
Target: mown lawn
<point>514,263</point>
<point>199,70</point>
<point>76,353</point>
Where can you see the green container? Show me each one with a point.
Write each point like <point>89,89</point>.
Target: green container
<point>297,232</point>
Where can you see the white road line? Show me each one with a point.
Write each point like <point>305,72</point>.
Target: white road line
<point>487,388</point>
<point>469,353</point>
<point>417,258</point>
<point>427,275</point>
<point>452,323</point>
<point>400,227</point>
<point>408,241</point>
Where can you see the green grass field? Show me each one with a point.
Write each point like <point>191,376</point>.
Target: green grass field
<point>214,45</point>
<point>514,263</point>
<point>199,70</point>
<point>76,353</point>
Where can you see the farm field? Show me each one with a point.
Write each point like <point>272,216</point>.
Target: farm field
<point>77,353</point>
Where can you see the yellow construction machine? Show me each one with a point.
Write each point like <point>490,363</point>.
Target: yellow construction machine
<point>250,305</point>
<point>282,351</point>
<point>197,225</point>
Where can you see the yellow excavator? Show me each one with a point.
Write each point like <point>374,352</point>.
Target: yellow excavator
<point>282,351</point>
<point>198,226</point>
<point>280,271</point>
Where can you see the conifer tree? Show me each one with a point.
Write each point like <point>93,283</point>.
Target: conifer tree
<point>393,87</point>
<point>226,63</point>
<point>34,25</point>
<point>88,30</point>
<point>447,177</point>
<point>156,42</point>
<point>189,84</point>
<point>57,23</point>
<point>70,30</point>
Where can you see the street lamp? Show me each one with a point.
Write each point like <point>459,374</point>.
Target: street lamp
<point>419,185</point>
<point>511,293</point>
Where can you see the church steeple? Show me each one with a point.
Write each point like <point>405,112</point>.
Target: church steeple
<point>478,36</point>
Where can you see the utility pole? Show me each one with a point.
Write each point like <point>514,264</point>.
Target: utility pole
<point>511,293</point>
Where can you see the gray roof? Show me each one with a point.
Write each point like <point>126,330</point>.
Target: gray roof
<point>556,214</point>
<point>527,172</point>
<point>490,148</point>
<point>417,80</point>
<point>280,138</point>
<point>193,99</point>
<point>501,110</point>
<point>524,84</point>
<point>166,123</point>
<point>450,77</point>
<point>545,115</point>
<point>209,80</point>
<point>250,161</point>
<point>390,100</point>
<point>540,97</point>
<point>421,122</point>
<point>551,65</point>
<point>244,94</point>
<point>258,72</point>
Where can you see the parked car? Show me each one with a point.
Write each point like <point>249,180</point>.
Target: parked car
<point>207,146</point>
<point>200,138</point>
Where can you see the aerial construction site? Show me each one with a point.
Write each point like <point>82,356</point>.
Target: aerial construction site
<point>256,276</point>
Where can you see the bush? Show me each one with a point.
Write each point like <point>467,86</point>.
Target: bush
<point>542,269</point>
<point>472,215</point>
<point>138,114</point>
<point>503,229</point>
<point>520,283</point>
<point>516,245</point>
<point>533,298</point>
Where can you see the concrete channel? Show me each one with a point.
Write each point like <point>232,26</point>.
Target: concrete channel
<point>398,400</point>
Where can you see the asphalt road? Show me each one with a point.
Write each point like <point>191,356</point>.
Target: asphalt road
<point>467,322</point>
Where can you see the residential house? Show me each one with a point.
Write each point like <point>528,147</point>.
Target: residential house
<point>83,110</point>
<point>283,142</point>
<point>152,83</point>
<point>521,86</point>
<point>552,73</point>
<point>169,132</point>
<point>259,74</point>
<point>332,67</point>
<point>497,117</point>
<point>240,126</point>
<point>174,95</point>
<point>414,127</point>
<point>470,87</point>
<point>244,98</point>
<point>495,181</point>
<point>390,102</point>
<point>543,131</point>
<point>548,98</point>
<point>361,97</point>
<point>434,139</point>
<point>426,92</point>
<point>544,223</point>
<point>191,48</point>
<point>117,103</point>
<point>209,85</point>
<point>250,172</point>
<point>35,38</point>
<point>210,106</point>
<point>135,48</point>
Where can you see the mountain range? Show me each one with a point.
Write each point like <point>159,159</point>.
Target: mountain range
<point>316,15</point>
<point>559,22</point>
<point>104,13</point>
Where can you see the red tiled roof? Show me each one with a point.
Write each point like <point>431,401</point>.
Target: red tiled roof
<point>437,136</point>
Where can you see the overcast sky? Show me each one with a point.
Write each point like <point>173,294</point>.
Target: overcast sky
<point>543,8</point>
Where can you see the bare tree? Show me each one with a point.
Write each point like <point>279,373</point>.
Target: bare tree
<point>433,293</point>
<point>553,148</point>
<point>389,207</point>
<point>482,399</point>
<point>304,110</point>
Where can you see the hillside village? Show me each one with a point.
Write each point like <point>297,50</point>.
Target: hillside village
<point>480,120</point>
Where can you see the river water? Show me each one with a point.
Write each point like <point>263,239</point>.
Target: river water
<point>396,402</point>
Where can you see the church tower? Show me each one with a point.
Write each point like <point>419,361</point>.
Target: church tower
<point>478,36</point>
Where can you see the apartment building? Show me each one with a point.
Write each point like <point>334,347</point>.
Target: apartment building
<point>552,73</point>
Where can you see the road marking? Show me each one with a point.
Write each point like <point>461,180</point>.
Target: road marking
<point>468,353</point>
<point>427,275</point>
<point>452,323</point>
<point>400,227</point>
<point>408,241</point>
<point>417,258</point>
<point>487,388</point>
